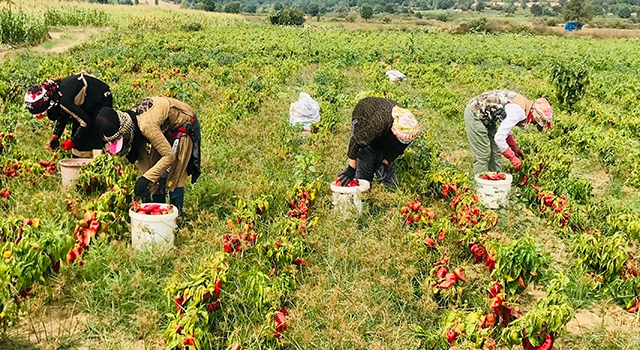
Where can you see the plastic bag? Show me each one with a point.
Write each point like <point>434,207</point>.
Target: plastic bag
<point>395,75</point>
<point>305,111</point>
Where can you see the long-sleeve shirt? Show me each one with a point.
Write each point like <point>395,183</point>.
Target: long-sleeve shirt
<point>371,123</point>
<point>514,115</point>
<point>159,117</point>
<point>79,102</point>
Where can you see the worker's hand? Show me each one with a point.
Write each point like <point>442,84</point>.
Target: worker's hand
<point>518,152</point>
<point>142,187</point>
<point>517,164</point>
<point>67,145</point>
<point>347,175</point>
<point>54,143</point>
<point>514,147</point>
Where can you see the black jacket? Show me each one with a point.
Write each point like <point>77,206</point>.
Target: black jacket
<point>371,123</point>
<point>80,104</point>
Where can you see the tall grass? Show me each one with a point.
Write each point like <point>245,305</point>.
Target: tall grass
<point>76,16</point>
<point>21,28</point>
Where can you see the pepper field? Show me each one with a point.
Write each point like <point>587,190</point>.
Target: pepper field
<point>262,261</point>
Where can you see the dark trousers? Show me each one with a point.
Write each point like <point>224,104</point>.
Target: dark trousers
<point>369,163</point>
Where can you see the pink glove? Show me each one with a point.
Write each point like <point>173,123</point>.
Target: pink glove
<point>517,164</point>
<point>514,147</point>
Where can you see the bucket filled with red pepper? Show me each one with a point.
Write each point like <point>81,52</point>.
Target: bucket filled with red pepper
<point>493,188</point>
<point>348,197</point>
<point>152,224</point>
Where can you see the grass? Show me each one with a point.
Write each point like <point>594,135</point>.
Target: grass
<point>364,289</point>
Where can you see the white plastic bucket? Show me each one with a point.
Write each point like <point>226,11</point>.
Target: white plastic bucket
<point>153,229</point>
<point>348,198</point>
<point>70,169</point>
<point>493,193</point>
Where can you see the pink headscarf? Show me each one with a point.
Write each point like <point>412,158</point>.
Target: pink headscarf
<point>541,112</point>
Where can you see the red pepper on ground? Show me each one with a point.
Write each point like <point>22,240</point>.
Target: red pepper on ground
<point>634,308</point>
<point>442,271</point>
<point>458,273</point>
<point>449,281</point>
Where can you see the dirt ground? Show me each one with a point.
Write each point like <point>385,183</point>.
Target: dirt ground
<point>606,316</point>
<point>59,41</point>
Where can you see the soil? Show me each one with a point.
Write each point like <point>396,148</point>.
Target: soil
<point>606,316</point>
<point>60,41</point>
<point>459,158</point>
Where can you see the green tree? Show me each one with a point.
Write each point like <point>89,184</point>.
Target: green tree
<point>366,12</point>
<point>313,9</point>
<point>232,7</point>
<point>291,16</point>
<point>480,6</point>
<point>390,8</point>
<point>577,11</point>
<point>277,6</point>
<point>249,8</point>
<point>536,10</point>
<point>624,11</point>
<point>523,5</point>
<point>156,2</point>
<point>209,5</point>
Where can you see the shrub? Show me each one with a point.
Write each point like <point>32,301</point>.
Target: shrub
<point>290,16</point>
<point>191,26</point>
<point>570,80</point>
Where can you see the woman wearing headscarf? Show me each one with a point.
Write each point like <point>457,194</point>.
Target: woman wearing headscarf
<point>173,131</point>
<point>380,132</point>
<point>76,98</point>
<point>490,141</point>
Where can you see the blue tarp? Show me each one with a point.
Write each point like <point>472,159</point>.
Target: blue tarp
<point>569,26</point>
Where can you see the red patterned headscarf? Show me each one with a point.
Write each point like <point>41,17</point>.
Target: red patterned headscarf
<point>40,98</point>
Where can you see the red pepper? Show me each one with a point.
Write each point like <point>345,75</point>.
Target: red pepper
<point>442,271</point>
<point>189,340</point>
<point>442,235</point>
<point>445,191</point>
<point>474,248</point>
<point>178,302</point>
<point>217,288</point>
<point>497,303</point>
<point>495,290</point>
<point>300,261</point>
<point>89,216</point>
<point>429,242</point>
<point>490,343</point>
<point>524,180</point>
<point>490,262</point>
<point>479,256</point>
<point>451,336</point>
<point>449,281</point>
<point>281,324</point>
<point>546,345</point>
<point>490,320</point>
<point>634,308</point>
<point>506,315</point>
<point>442,261</point>
<point>521,282</point>
<point>458,273</point>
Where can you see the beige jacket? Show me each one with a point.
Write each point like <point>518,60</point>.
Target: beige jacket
<point>156,124</point>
